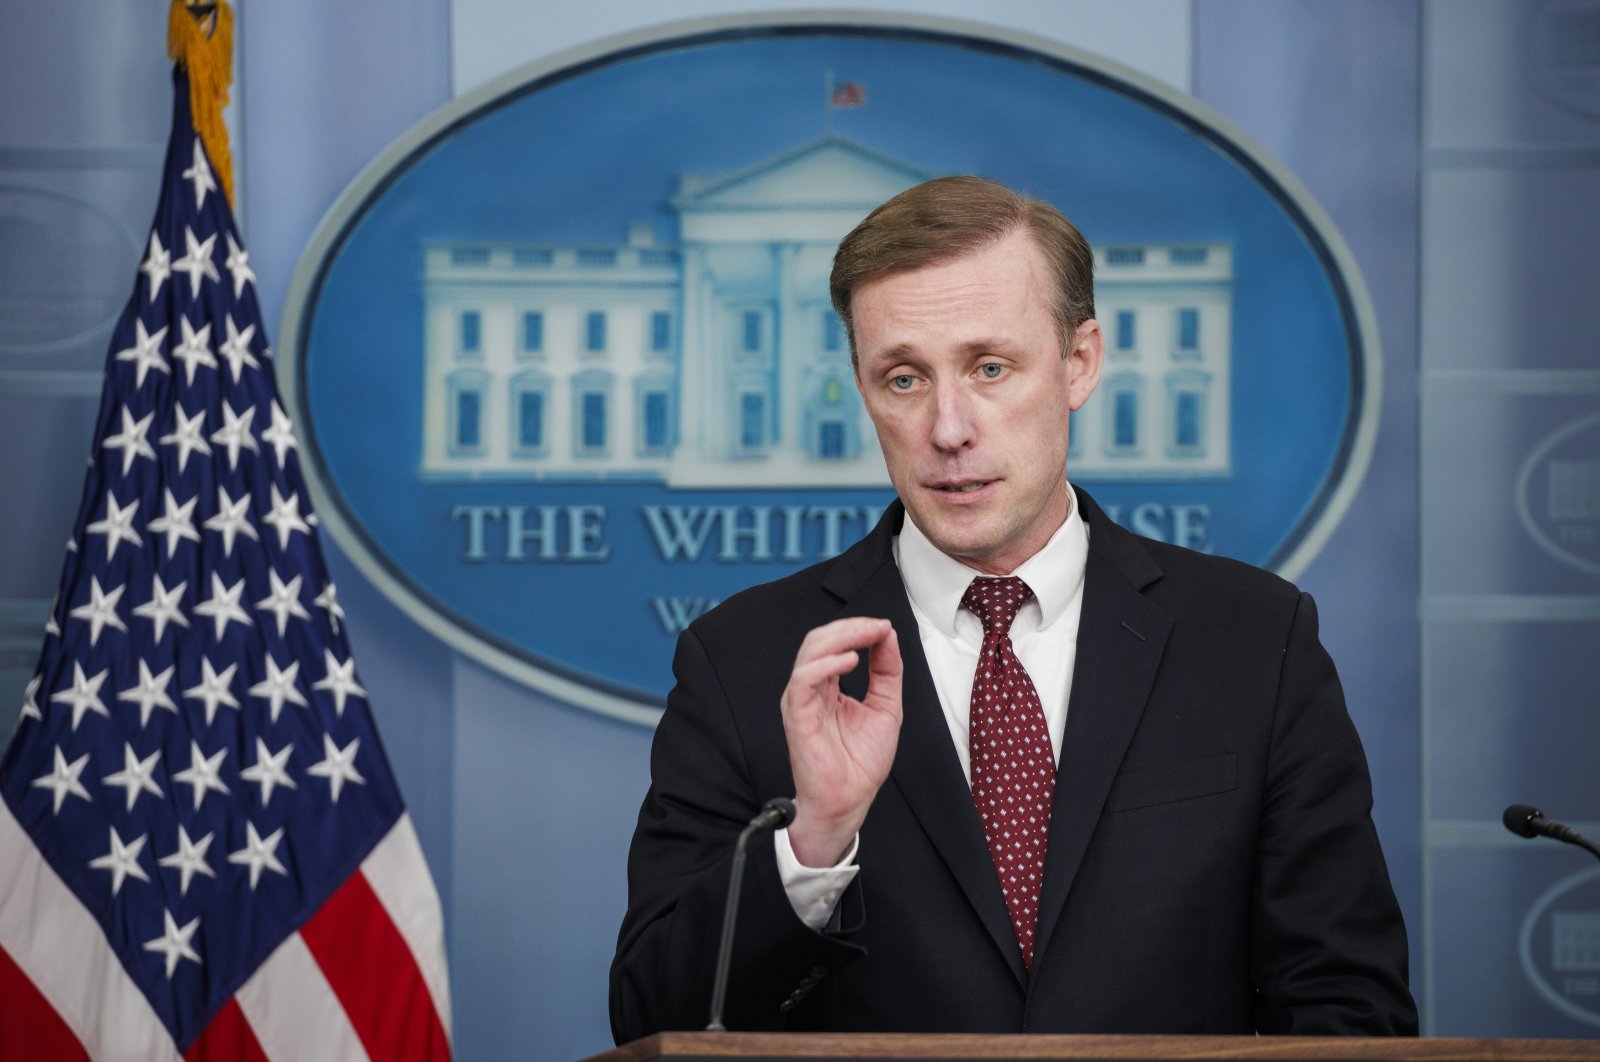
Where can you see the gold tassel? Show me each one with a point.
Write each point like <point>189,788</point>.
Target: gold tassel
<point>208,58</point>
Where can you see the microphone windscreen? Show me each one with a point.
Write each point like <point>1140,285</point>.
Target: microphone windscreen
<point>1519,819</point>
<point>784,809</point>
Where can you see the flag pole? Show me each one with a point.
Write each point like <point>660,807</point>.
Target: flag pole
<point>827,105</point>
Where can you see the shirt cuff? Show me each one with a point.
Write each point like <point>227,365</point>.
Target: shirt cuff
<point>814,891</point>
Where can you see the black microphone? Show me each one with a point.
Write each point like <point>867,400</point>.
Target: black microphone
<point>1525,821</point>
<point>775,815</point>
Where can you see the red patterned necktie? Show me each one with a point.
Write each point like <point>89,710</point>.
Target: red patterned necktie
<point>1013,765</point>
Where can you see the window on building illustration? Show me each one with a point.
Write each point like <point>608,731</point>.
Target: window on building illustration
<point>592,420</point>
<point>752,420</point>
<point>533,331</point>
<point>1125,256</point>
<point>1186,421</point>
<point>1126,337</point>
<point>1125,420</point>
<point>1188,329</point>
<point>597,256</point>
<point>471,331</point>
<point>469,256</point>
<point>750,331</point>
<point>830,440</point>
<point>832,332</point>
<point>469,420</point>
<point>530,420</point>
<point>532,256</point>
<point>594,331</point>
<point>656,416</point>
<point>660,331</point>
<point>1188,256</point>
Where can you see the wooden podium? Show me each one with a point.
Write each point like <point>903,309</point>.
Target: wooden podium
<point>967,1047</point>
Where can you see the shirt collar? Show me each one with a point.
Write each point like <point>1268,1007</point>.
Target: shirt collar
<point>936,582</point>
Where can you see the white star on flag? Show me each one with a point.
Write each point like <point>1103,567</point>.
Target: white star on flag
<point>204,774</point>
<point>215,689</point>
<point>285,517</point>
<point>157,266</point>
<point>150,693</point>
<point>30,706</point>
<point>338,765</point>
<point>174,943</point>
<point>199,175</point>
<point>131,440</point>
<point>223,605</point>
<point>196,262</point>
<point>238,266</point>
<point>269,770</point>
<point>176,522</point>
<point>63,780</point>
<point>279,686</point>
<point>194,350</point>
<point>163,606</point>
<point>136,775</point>
<point>280,435</point>
<point>259,853</point>
<point>236,348</point>
<point>84,695</point>
<point>328,601</point>
<point>283,602</point>
<point>122,861</point>
<point>101,610</point>
<point>146,351</point>
<point>189,859</point>
<point>340,681</point>
<point>231,520</point>
<point>187,438</point>
<point>117,524</point>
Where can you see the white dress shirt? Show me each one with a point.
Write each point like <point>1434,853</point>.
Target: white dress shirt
<point>1044,635</point>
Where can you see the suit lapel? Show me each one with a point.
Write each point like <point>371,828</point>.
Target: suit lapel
<point>926,772</point>
<point>1121,636</point>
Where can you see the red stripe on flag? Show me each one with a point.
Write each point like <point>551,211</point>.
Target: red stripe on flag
<point>228,1037</point>
<point>29,1025</point>
<point>372,971</point>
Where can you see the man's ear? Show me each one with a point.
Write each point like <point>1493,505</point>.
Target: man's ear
<point>1083,362</point>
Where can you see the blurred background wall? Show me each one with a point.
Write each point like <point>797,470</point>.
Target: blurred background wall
<point>1455,145</point>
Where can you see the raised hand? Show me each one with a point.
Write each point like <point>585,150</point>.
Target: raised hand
<point>840,748</point>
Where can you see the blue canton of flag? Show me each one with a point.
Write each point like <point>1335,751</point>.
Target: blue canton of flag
<point>202,848</point>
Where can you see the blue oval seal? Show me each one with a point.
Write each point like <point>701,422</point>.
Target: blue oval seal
<point>1560,946</point>
<point>566,373</point>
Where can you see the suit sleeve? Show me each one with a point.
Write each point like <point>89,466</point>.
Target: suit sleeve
<point>706,784</point>
<point>1328,945</point>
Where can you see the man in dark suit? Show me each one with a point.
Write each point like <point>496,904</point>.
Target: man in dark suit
<point>1049,776</point>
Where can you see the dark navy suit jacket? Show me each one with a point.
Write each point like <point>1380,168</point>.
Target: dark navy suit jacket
<point>1212,864</point>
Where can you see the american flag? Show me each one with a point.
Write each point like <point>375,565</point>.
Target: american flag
<point>202,848</point>
<point>849,94</point>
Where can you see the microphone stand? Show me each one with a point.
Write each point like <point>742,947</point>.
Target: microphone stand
<point>775,814</point>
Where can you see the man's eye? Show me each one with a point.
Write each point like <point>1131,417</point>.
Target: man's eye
<point>902,382</point>
<point>992,370</point>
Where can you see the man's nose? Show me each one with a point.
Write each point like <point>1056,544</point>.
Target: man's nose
<point>953,426</point>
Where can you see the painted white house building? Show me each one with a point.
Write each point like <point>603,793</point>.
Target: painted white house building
<point>719,362</point>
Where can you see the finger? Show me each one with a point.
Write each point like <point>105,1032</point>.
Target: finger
<point>811,674</point>
<point>854,632</point>
<point>883,658</point>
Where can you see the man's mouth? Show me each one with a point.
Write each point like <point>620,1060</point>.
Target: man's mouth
<point>963,487</point>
